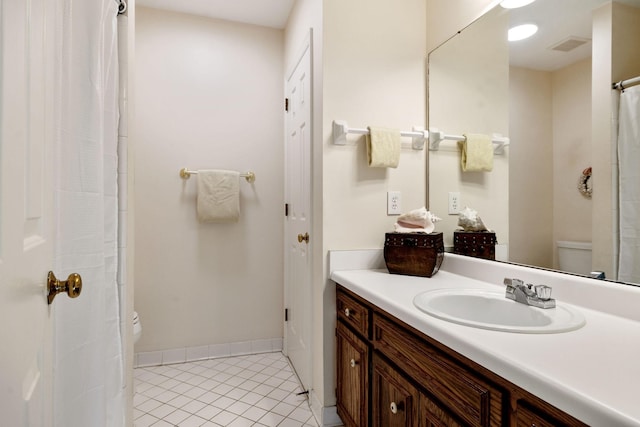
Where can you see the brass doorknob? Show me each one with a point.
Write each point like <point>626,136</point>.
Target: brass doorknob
<point>304,238</point>
<point>72,286</point>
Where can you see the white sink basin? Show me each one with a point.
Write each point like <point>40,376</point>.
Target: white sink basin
<point>491,310</point>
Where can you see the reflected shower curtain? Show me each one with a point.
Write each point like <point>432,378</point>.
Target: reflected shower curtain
<point>629,185</point>
<point>88,355</point>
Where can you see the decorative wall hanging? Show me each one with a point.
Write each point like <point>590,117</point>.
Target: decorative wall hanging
<point>585,183</point>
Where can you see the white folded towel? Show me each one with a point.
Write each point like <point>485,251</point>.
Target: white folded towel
<point>218,197</point>
<point>477,153</point>
<point>383,147</point>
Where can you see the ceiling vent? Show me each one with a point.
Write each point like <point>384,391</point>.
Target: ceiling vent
<point>569,44</point>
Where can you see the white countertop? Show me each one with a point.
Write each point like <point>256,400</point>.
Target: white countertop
<point>592,373</point>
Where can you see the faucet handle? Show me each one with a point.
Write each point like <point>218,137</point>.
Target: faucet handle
<point>543,292</point>
<point>512,282</point>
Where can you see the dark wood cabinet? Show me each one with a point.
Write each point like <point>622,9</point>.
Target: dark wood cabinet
<point>395,399</point>
<point>390,374</point>
<point>532,412</point>
<point>433,415</point>
<point>352,367</point>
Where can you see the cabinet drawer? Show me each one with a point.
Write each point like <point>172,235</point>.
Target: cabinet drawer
<point>533,416</point>
<point>352,312</point>
<point>473,399</point>
<point>432,415</point>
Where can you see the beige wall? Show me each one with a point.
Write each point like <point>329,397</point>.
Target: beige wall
<point>530,167</point>
<point>572,212</point>
<point>446,17</point>
<point>308,15</point>
<point>616,30</point>
<point>550,116</point>
<point>374,74</point>
<point>209,95</point>
<point>468,93</point>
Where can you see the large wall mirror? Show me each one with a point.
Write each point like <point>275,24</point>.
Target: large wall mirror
<point>551,94</point>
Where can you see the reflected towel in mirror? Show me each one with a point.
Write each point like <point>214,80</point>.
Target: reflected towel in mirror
<point>477,153</point>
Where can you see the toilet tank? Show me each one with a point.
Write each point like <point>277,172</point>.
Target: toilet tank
<point>574,257</point>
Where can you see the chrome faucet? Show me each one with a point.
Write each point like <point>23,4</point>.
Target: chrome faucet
<point>534,295</point>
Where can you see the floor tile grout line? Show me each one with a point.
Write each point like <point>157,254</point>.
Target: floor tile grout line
<point>287,386</point>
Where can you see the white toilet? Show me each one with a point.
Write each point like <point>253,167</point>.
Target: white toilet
<point>137,327</point>
<point>574,257</point>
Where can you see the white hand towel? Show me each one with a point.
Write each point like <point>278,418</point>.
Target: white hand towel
<point>477,153</point>
<point>218,197</point>
<point>383,147</point>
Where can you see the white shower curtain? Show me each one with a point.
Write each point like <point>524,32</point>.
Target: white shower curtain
<point>88,355</point>
<point>629,185</point>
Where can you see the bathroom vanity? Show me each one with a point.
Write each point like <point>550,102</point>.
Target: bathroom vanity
<point>399,366</point>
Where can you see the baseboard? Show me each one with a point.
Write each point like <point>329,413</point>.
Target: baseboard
<point>213,351</point>
<point>326,416</point>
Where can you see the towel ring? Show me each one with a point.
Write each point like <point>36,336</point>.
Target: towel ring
<point>185,173</point>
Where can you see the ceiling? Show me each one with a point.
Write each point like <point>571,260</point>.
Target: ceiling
<point>267,13</point>
<point>557,20</point>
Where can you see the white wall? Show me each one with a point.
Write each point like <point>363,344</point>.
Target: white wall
<point>209,95</point>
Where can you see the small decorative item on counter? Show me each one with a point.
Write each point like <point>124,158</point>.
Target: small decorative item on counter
<point>475,239</point>
<point>469,220</point>
<point>416,221</point>
<point>479,244</point>
<point>414,249</point>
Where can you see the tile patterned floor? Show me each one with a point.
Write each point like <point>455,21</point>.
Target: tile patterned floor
<point>254,390</point>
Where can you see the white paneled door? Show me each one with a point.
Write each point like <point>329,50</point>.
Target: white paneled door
<point>26,212</point>
<point>298,217</point>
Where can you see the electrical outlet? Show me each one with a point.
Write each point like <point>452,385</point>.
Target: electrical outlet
<point>394,205</point>
<point>454,203</point>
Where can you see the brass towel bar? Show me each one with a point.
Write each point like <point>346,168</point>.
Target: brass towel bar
<point>186,174</point>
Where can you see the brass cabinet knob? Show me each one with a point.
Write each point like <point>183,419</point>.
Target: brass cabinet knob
<point>72,286</point>
<point>304,238</point>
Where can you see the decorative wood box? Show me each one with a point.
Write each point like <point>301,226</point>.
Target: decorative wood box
<point>413,254</point>
<point>479,244</point>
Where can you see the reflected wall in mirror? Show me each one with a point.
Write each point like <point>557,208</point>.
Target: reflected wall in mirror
<point>551,95</point>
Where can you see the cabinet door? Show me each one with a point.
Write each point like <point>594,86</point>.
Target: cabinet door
<point>395,399</point>
<point>352,388</point>
<point>433,415</point>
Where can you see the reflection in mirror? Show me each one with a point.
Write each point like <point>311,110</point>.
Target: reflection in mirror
<point>551,95</point>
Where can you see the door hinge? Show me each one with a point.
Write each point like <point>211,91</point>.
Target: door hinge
<point>286,314</point>
<point>286,104</point>
<point>286,209</point>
